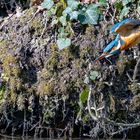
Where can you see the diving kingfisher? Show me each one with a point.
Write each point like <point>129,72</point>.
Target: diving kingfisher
<point>128,35</point>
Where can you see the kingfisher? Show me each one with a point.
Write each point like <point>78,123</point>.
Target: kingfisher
<point>128,35</point>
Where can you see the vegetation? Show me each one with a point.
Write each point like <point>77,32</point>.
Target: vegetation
<point>49,83</point>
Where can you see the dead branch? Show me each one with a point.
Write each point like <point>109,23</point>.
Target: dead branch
<point>93,116</point>
<point>97,110</point>
<point>136,70</point>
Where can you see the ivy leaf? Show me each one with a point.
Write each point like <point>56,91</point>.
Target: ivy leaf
<point>47,4</point>
<point>94,75</point>
<point>90,16</point>
<point>63,43</point>
<point>124,12</point>
<point>82,18</point>
<point>73,4</point>
<point>68,10</point>
<point>54,22</point>
<point>125,2</point>
<point>118,6</point>
<point>63,20</point>
<point>112,1</point>
<point>103,1</point>
<point>74,15</point>
<point>62,33</point>
<point>84,95</point>
<point>86,80</point>
<point>138,8</point>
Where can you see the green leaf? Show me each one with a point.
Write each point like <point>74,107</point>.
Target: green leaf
<point>84,95</point>
<point>82,18</point>
<point>54,22</point>
<point>125,2</point>
<point>53,10</point>
<point>124,12</point>
<point>47,4</point>
<point>94,75</point>
<point>63,43</point>
<point>63,20</point>
<point>74,15</point>
<point>118,6</point>
<point>138,9</point>
<point>62,33</point>
<point>86,80</point>
<point>103,1</point>
<point>68,10</point>
<point>73,4</point>
<point>90,16</point>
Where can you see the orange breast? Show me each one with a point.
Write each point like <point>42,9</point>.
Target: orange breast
<point>131,40</point>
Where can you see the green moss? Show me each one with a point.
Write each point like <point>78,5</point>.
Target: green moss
<point>28,15</point>
<point>11,71</point>
<point>86,119</point>
<point>45,74</point>
<point>37,25</point>
<point>10,66</point>
<point>135,88</point>
<point>66,57</point>
<point>122,63</point>
<point>53,61</point>
<point>3,43</point>
<point>2,91</point>
<point>45,87</point>
<point>90,33</point>
<point>135,103</point>
<point>3,48</point>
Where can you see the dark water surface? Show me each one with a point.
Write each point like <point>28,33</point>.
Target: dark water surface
<point>32,138</point>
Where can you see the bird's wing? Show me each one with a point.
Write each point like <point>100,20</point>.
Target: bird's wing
<point>106,50</point>
<point>111,45</point>
<point>125,27</point>
<point>111,49</point>
<point>115,52</point>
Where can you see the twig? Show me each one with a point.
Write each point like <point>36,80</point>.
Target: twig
<point>34,126</point>
<point>88,104</point>
<point>46,21</point>
<point>122,130</point>
<point>39,9</point>
<point>5,22</point>
<point>136,70</point>
<point>129,77</point>
<point>122,124</point>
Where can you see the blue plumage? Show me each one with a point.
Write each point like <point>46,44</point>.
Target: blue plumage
<point>108,51</point>
<point>117,25</point>
<point>128,35</point>
<point>112,44</point>
<point>124,24</point>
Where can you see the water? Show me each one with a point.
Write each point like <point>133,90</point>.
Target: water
<point>31,138</point>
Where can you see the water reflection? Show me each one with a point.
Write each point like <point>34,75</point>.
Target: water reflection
<point>31,138</point>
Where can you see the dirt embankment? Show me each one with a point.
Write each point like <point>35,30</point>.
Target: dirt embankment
<point>40,85</point>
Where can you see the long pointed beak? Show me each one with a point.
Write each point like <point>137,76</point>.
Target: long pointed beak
<point>101,57</point>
